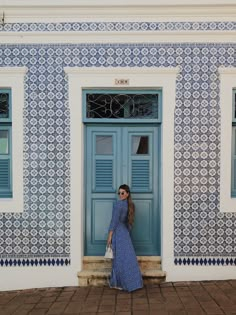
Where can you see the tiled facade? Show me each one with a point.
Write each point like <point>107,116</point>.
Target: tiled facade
<point>41,234</point>
<point>118,26</point>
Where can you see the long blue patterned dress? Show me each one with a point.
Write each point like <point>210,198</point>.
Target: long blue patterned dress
<point>125,269</point>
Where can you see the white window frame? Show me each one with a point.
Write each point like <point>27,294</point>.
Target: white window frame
<point>13,78</point>
<point>227,84</point>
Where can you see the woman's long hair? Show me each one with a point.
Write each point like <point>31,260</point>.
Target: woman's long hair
<point>131,208</point>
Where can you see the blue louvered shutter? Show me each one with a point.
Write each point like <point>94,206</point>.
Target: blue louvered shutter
<point>104,162</point>
<point>5,180</point>
<point>141,162</point>
<point>103,174</point>
<point>5,144</point>
<point>141,177</point>
<point>140,174</point>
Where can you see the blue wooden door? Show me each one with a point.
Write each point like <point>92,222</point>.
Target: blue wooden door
<point>118,155</point>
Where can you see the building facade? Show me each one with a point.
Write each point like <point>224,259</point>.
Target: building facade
<point>94,96</point>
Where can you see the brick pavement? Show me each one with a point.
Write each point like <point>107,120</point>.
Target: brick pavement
<point>179,298</point>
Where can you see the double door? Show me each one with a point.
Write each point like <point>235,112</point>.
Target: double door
<point>118,155</point>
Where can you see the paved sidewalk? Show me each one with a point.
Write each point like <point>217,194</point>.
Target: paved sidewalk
<point>207,297</point>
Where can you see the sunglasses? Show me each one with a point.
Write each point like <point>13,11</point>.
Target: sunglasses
<point>121,193</point>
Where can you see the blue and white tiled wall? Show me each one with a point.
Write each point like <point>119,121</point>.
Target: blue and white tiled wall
<point>118,26</point>
<point>41,234</point>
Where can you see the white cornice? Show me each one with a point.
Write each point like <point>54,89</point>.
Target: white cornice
<point>228,70</point>
<point>19,11</point>
<point>113,3</point>
<point>13,70</point>
<point>114,71</point>
<point>117,37</point>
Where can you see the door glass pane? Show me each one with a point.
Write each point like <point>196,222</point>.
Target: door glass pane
<point>234,106</point>
<point>4,141</point>
<point>139,144</point>
<point>234,139</point>
<point>103,145</point>
<point>4,105</point>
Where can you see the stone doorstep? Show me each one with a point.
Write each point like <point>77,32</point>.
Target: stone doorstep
<point>100,277</point>
<point>98,262</point>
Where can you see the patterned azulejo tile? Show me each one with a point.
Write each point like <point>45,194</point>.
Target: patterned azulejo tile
<point>42,231</point>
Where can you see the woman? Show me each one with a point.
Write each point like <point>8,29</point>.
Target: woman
<point>125,273</point>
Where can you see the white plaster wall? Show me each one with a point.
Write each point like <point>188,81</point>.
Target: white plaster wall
<point>198,273</point>
<point>17,278</point>
<point>168,10</point>
<point>122,37</point>
<point>103,3</point>
<point>227,84</point>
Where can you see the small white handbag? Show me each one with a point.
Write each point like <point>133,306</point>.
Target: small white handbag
<point>108,253</point>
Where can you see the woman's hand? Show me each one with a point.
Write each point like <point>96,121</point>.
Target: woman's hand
<point>109,239</point>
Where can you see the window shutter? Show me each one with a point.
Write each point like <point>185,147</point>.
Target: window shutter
<point>5,183</point>
<point>140,175</point>
<point>103,174</point>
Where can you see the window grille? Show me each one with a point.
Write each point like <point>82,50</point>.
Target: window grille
<point>122,105</point>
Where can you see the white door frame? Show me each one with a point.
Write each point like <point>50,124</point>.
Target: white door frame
<point>155,78</point>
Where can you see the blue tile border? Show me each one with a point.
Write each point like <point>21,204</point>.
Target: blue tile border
<point>118,26</point>
<point>217,261</point>
<point>34,262</point>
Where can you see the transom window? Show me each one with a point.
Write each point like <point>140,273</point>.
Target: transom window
<point>5,95</point>
<point>118,105</point>
<point>5,144</point>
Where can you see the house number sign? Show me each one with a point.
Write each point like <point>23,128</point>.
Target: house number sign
<point>121,81</point>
